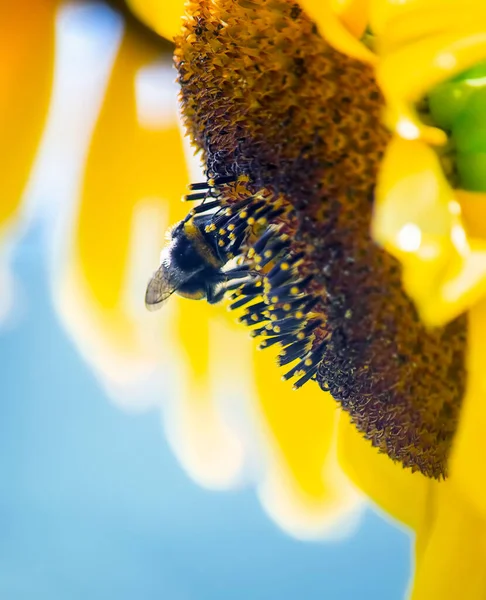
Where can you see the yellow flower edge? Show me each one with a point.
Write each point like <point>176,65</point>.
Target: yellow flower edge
<point>122,185</point>
<point>162,17</point>
<point>418,218</point>
<point>304,489</point>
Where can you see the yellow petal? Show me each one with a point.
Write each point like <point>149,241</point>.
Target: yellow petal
<point>213,374</point>
<point>410,21</point>
<point>399,492</point>
<point>304,491</point>
<point>127,163</point>
<point>473,207</point>
<point>406,74</point>
<point>134,173</point>
<point>418,219</point>
<point>464,282</point>
<point>27,50</point>
<point>162,17</point>
<point>414,215</point>
<point>384,12</point>
<point>468,469</point>
<point>452,560</point>
<point>336,31</point>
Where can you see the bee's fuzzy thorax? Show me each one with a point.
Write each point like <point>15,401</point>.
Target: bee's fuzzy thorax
<point>297,126</point>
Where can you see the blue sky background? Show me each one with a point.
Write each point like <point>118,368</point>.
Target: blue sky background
<point>93,504</point>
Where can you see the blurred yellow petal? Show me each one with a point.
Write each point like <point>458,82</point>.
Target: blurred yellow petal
<point>304,489</point>
<point>407,22</point>
<point>473,207</point>
<point>463,284</point>
<point>382,11</point>
<point>162,17</point>
<point>336,30</point>
<point>418,219</point>
<point>385,12</point>
<point>415,213</point>
<point>452,563</point>
<point>27,50</point>
<point>214,367</point>
<point>353,14</point>
<point>398,491</point>
<point>135,177</point>
<point>127,163</point>
<point>468,469</point>
<point>134,172</point>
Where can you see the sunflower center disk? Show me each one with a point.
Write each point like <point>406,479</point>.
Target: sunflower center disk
<point>290,133</point>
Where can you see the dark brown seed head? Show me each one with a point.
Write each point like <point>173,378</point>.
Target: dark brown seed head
<point>265,97</point>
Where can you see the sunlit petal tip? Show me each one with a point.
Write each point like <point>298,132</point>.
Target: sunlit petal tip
<point>210,386</point>
<point>123,348</point>
<point>406,124</point>
<point>419,218</point>
<point>335,515</point>
<point>413,199</point>
<point>118,337</point>
<point>207,449</point>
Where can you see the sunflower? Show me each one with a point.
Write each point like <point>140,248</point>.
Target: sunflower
<point>292,124</point>
<point>297,137</point>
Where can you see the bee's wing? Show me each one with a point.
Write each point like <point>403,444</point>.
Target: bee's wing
<point>163,284</point>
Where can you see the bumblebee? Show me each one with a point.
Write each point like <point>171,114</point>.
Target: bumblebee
<point>192,265</point>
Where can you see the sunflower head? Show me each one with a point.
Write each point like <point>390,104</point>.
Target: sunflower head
<point>297,126</point>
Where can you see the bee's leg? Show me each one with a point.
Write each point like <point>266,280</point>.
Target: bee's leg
<point>220,254</point>
<point>213,296</point>
<point>238,273</point>
<point>215,292</point>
